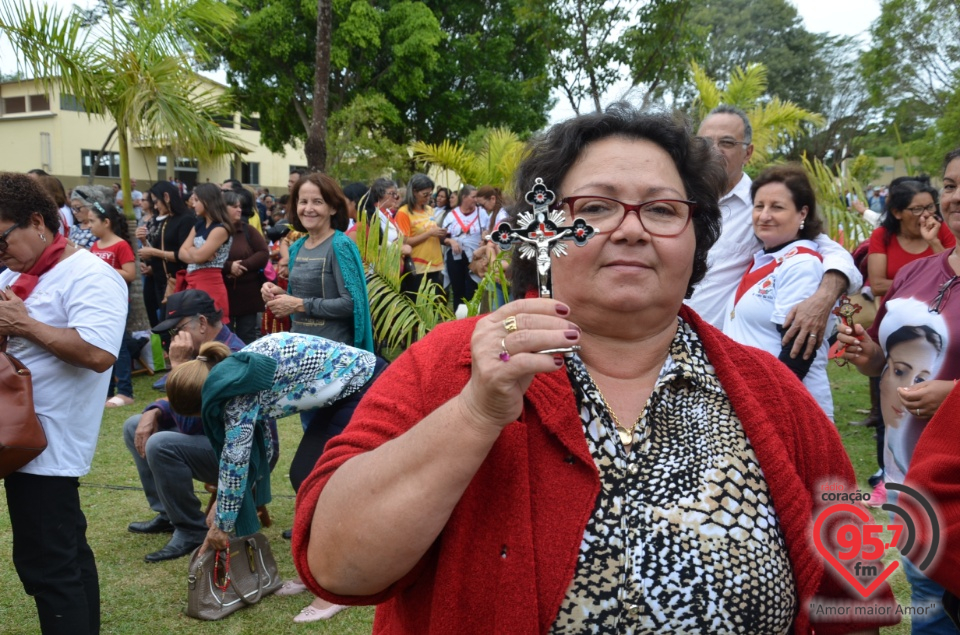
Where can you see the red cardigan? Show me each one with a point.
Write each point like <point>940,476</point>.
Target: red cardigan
<point>506,557</point>
<point>935,470</point>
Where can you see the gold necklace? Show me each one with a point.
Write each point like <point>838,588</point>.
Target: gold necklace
<point>626,436</point>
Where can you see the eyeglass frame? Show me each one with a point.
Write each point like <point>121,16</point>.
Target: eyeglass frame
<point>177,329</point>
<point>4,244</point>
<point>932,208</point>
<point>942,295</point>
<point>633,207</point>
<point>728,143</point>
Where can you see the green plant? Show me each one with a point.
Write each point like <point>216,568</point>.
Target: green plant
<point>500,155</point>
<point>398,319</point>
<point>774,121</point>
<point>846,227</point>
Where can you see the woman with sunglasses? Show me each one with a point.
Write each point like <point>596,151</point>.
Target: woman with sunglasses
<point>934,283</point>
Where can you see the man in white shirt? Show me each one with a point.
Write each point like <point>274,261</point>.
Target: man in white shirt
<point>728,260</point>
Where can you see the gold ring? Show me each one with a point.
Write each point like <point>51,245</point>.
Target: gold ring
<point>510,324</point>
<point>504,353</point>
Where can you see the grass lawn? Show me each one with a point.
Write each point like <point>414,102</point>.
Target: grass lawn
<point>146,598</point>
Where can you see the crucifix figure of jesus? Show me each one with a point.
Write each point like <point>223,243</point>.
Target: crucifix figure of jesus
<point>541,232</point>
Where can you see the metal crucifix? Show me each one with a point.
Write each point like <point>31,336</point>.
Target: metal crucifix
<point>540,232</point>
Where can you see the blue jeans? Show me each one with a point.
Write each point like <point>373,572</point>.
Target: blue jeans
<point>924,592</point>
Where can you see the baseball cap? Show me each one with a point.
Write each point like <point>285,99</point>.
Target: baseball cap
<point>185,304</point>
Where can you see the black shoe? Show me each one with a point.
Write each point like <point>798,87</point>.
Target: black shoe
<point>172,552</point>
<point>288,534</point>
<point>157,525</point>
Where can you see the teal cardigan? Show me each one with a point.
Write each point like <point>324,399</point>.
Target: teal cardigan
<point>351,266</point>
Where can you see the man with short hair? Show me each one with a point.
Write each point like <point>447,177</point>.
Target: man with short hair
<point>295,175</point>
<point>729,129</point>
<point>171,450</point>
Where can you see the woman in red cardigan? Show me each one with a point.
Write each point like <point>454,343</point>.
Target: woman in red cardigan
<point>660,479</point>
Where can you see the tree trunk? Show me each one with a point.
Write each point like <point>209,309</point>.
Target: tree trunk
<point>316,146</point>
<point>125,172</point>
<point>138,310</point>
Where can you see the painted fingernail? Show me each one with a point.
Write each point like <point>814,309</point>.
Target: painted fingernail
<point>571,335</point>
<point>563,309</point>
<point>558,361</point>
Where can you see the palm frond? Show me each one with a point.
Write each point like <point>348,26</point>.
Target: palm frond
<point>398,320</point>
<point>708,93</point>
<point>746,86</point>
<point>843,226</point>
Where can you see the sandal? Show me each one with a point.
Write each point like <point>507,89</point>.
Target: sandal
<point>313,614</point>
<point>118,401</point>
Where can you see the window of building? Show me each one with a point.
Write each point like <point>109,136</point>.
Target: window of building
<point>14,105</point>
<point>70,102</point>
<point>249,123</point>
<point>108,166</point>
<point>224,122</point>
<point>162,168</point>
<point>249,173</point>
<point>39,103</point>
<point>302,168</point>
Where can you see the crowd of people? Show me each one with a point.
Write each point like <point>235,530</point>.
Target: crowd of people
<point>662,477</point>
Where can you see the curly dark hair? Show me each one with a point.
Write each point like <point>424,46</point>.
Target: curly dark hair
<point>22,196</point>
<point>551,155</point>
<point>795,179</point>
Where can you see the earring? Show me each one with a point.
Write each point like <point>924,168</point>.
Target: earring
<point>42,237</point>
<point>801,225</point>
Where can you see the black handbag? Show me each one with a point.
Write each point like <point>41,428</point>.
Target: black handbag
<point>21,435</point>
<point>223,582</point>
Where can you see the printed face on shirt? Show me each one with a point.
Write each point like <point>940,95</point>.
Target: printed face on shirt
<point>908,364</point>
<point>776,219</point>
<point>313,211</point>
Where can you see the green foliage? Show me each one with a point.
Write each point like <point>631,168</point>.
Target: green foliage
<point>830,186</point>
<point>494,164</point>
<point>132,66</point>
<point>592,44</point>
<point>358,145</point>
<point>774,121</point>
<point>864,169</point>
<point>438,85</point>
<point>739,33</point>
<point>398,319</point>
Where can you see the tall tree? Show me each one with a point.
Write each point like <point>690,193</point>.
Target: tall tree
<point>133,65</point>
<point>442,67</point>
<point>742,32</point>
<point>594,44</point>
<point>316,146</point>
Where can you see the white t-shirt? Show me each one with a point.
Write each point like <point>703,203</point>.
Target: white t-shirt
<point>86,294</point>
<point>732,254</point>
<point>754,319</point>
<point>466,229</point>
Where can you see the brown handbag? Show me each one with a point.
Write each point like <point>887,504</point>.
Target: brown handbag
<point>21,435</point>
<point>223,582</point>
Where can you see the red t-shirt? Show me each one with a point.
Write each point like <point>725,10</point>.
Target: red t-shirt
<point>116,255</point>
<point>897,257</point>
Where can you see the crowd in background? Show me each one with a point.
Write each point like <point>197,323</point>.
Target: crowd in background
<point>224,263</point>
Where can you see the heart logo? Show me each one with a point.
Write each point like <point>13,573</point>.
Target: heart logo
<point>865,591</point>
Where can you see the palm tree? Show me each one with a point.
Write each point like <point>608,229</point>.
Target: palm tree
<point>133,64</point>
<point>774,121</point>
<point>495,163</point>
